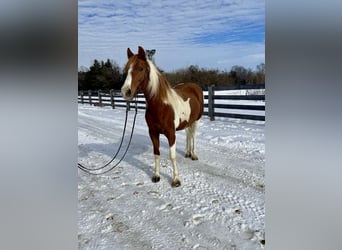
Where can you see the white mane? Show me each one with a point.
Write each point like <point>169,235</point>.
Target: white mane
<point>153,84</point>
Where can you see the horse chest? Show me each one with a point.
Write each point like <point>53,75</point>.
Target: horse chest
<point>159,118</point>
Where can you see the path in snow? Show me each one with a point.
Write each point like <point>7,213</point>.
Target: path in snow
<point>220,204</point>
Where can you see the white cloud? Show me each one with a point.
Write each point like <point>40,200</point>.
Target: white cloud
<point>176,29</point>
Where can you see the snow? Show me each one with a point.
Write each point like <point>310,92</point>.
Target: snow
<point>219,205</point>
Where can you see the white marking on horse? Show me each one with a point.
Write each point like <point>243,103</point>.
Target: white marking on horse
<point>128,82</point>
<point>191,140</point>
<point>180,107</point>
<point>156,165</point>
<point>153,83</point>
<point>174,163</point>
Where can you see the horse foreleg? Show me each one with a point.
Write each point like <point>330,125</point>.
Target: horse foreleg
<point>156,176</point>
<point>155,141</point>
<point>171,137</point>
<point>175,180</point>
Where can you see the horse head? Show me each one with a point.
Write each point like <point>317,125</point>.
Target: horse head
<point>137,70</point>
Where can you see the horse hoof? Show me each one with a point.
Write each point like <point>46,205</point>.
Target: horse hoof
<point>155,178</point>
<point>187,155</point>
<point>194,158</point>
<point>176,183</point>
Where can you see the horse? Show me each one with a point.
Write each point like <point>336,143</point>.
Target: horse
<point>168,109</point>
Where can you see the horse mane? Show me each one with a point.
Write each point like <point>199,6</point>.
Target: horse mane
<point>157,85</point>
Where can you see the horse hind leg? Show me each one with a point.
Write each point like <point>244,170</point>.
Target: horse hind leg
<point>188,142</point>
<point>191,141</point>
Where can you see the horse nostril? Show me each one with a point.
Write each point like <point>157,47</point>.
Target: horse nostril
<point>128,92</point>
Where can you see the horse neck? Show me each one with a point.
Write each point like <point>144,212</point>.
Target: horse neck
<point>161,93</point>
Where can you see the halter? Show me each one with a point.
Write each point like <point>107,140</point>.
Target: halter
<point>93,171</point>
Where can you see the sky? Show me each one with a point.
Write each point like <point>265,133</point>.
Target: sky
<point>207,33</point>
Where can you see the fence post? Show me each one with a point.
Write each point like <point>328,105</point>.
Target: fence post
<point>100,97</point>
<point>82,94</point>
<point>112,98</point>
<point>89,95</point>
<point>211,104</point>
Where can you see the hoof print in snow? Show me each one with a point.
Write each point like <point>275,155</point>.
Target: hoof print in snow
<point>119,227</point>
<point>247,234</point>
<point>155,178</point>
<point>110,198</point>
<point>197,219</point>
<point>153,192</point>
<point>215,201</point>
<point>176,183</point>
<point>237,211</point>
<point>110,217</point>
<point>186,223</point>
<point>166,206</point>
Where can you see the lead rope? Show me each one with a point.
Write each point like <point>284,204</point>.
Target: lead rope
<point>90,170</point>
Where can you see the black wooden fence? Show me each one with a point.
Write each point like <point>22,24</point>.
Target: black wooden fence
<point>249,101</point>
<point>216,104</point>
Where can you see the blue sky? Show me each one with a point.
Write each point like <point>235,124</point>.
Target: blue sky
<point>210,34</point>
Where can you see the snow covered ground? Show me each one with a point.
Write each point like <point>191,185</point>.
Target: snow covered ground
<point>220,204</point>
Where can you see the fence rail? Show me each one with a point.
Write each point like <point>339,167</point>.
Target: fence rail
<point>218,101</point>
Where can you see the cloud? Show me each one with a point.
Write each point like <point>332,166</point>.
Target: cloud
<point>182,32</point>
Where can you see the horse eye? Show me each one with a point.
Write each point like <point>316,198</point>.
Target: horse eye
<point>140,68</point>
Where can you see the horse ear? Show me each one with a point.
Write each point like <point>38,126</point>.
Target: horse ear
<point>129,53</point>
<point>141,53</point>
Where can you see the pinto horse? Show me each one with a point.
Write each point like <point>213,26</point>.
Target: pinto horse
<point>167,108</point>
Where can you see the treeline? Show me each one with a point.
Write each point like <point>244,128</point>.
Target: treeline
<point>101,75</point>
<point>238,75</point>
<point>109,75</point>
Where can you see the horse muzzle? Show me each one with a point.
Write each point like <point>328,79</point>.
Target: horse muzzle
<point>126,93</point>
